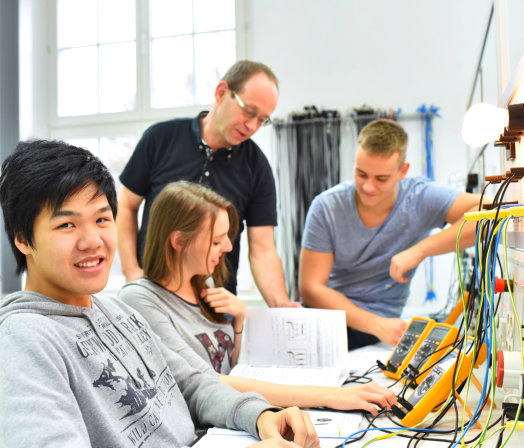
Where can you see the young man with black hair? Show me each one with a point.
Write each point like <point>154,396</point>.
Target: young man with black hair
<point>84,370</point>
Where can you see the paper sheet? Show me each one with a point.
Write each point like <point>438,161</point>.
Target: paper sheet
<point>295,337</point>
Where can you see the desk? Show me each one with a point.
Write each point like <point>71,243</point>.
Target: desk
<point>362,359</point>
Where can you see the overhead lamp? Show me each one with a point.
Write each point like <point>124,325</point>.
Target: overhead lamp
<point>484,123</point>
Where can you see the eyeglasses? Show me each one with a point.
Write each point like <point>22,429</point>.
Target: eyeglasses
<point>249,113</point>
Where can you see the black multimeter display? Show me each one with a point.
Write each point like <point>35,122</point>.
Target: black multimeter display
<point>429,352</point>
<point>430,344</point>
<point>417,330</point>
<point>410,338</point>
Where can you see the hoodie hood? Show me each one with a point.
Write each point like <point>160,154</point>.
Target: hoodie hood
<point>33,302</point>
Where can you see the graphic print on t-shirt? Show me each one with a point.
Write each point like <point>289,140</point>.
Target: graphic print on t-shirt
<point>218,352</point>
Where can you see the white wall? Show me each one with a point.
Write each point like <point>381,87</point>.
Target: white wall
<point>340,54</point>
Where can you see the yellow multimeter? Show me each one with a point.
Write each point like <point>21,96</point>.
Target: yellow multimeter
<point>433,348</point>
<point>437,385</point>
<point>418,329</point>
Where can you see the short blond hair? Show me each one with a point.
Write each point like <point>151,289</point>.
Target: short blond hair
<point>384,137</point>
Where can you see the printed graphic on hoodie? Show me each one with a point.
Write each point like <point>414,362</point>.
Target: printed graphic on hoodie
<point>217,355</point>
<point>141,396</point>
<point>136,395</point>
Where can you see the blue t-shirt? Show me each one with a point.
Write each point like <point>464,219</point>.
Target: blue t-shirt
<point>362,255</point>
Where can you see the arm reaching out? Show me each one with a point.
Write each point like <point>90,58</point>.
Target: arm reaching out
<point>363,396</point>
<point>441,242</point>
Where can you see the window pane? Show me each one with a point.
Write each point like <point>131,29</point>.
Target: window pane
<point>172,72</point>
<point>169,18</point>
<point>76,23</point>
<point>87,143</point>
<point>211,15</point>
<point>116,21</point>
<point>77,82</point>
<point>117,77</point>
<point>115,152</point>
<point>214,54</point>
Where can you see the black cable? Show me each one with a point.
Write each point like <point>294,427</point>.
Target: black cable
<point>440,431</point>
<point>499,440</point>
<point>355,379</point>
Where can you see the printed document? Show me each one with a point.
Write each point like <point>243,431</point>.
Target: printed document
<point>302,346</point>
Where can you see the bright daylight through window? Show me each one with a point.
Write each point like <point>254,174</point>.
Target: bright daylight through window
<point>107,50</point>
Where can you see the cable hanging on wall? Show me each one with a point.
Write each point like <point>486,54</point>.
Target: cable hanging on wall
<point>308,148</point>
<point>365,114</point>
<point>426,116</point>
<point>308,162</point>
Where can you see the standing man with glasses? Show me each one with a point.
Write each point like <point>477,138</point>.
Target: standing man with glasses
<point>213,149</point>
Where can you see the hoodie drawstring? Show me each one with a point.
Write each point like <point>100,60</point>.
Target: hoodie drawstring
<point>111,319</point>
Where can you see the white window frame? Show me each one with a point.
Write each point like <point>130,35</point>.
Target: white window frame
<point>143,115</point>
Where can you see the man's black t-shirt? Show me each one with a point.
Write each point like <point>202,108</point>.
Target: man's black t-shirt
<point>173,150</point>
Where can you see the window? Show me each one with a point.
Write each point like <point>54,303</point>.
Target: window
<point>190,56</point>
<point>106,50</point>
<point>118,66</point>
<point>96,57</point>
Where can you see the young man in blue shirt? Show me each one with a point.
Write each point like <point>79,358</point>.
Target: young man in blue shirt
<point>363,239</point>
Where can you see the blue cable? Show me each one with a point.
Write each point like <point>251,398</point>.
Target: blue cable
<point>477,258</point>
<point>439,431</point>
<point>427,115</point>
<point>489,341</point>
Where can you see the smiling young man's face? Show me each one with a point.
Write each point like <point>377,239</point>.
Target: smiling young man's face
<point>73,248</point>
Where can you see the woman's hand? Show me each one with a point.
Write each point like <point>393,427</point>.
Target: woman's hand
<point>222,301</point>
<point>363,396</point>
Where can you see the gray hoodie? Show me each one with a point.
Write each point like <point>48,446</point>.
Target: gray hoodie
<point>74,377</point>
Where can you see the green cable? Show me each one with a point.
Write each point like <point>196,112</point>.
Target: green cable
<point>517,322</point>
<point>493,337</point>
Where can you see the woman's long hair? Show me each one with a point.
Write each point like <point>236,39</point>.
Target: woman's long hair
<point>185,207</point>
